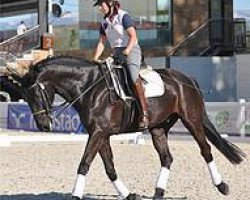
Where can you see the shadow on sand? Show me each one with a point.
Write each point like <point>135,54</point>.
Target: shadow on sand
<point>60,196</point>
<point>54,196</point>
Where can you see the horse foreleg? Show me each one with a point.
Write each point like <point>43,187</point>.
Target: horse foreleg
<point>107,158</point>
<point>93,145</point>
<point>160,142</point>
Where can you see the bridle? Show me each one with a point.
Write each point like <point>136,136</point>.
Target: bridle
<point>45,100</point>
<point>65,105</point>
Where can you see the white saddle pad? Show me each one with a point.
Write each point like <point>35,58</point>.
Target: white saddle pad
<point>153,84</point>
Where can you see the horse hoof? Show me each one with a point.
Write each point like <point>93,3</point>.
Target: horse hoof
<point>159,194</point>
<point>75,198</point>
<point>223,188</point>
<point>133,197</point>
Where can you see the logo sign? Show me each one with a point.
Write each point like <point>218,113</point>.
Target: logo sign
<point>21,118</point>
<point>222,119</point>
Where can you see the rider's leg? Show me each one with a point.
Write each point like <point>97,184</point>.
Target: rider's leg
<point>134,64</point>
<point>143,101</point>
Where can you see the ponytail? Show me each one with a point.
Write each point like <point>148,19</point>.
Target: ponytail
<point>115,6</point>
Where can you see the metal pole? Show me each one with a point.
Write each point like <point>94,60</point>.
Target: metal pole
<point>50,26</point>
<point>50,14</point>
<point>242,117</point>
<point>167,61</point>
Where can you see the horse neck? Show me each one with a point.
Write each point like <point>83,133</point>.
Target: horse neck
<point>71,84</point>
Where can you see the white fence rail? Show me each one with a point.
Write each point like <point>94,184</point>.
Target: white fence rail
<point>232,118</point>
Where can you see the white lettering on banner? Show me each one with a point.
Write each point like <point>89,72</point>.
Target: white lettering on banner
<point>66,123</point>
<point>61,123</point>
<point>32,122</point>
<point>56,123</point>
<point>21,118</point>
<point>75,122</point>
<point>17,119</point>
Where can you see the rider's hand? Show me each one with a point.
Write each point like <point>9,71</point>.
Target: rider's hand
<point>120,59</point>
<point>125,52</point>
<point>97,61</point>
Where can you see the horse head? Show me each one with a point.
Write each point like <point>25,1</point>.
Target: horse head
<point>38,95</point>
<point>40,100</point>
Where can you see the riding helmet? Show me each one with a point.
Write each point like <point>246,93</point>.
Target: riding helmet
<point>99,2</point>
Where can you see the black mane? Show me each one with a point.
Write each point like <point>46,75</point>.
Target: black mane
<point>57,63</point>
<point>62,62</point>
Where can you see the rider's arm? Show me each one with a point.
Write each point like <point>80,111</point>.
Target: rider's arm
<point>132,40</point>
<point>129,26</point>
<point>100,47</point>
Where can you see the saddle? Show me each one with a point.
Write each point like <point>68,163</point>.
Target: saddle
<point>120,83</point>
<point>123,86</point>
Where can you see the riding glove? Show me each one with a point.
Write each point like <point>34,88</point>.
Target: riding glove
<point>120,59</point>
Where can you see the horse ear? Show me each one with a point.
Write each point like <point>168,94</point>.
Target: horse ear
<point>23,76</point>
<point>17,70</point>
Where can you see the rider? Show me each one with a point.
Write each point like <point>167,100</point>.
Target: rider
<point>118,28</point>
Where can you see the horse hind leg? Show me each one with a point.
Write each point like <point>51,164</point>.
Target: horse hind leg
<point>197,130</point>
<point>160,143</point>
<point>107,158</point>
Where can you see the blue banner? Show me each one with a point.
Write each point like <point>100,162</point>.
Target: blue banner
<point>21,118</point>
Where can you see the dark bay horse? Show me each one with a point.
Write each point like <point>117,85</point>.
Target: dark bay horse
<point>72,78</point>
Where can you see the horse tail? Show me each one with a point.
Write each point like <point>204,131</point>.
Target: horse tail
<point>195,83</point>
<point>233,153</point>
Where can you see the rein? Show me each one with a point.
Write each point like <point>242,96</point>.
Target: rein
<point>64,104</point>
<point>40,112</point>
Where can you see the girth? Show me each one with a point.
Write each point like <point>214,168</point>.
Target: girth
<point>121,76</point>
